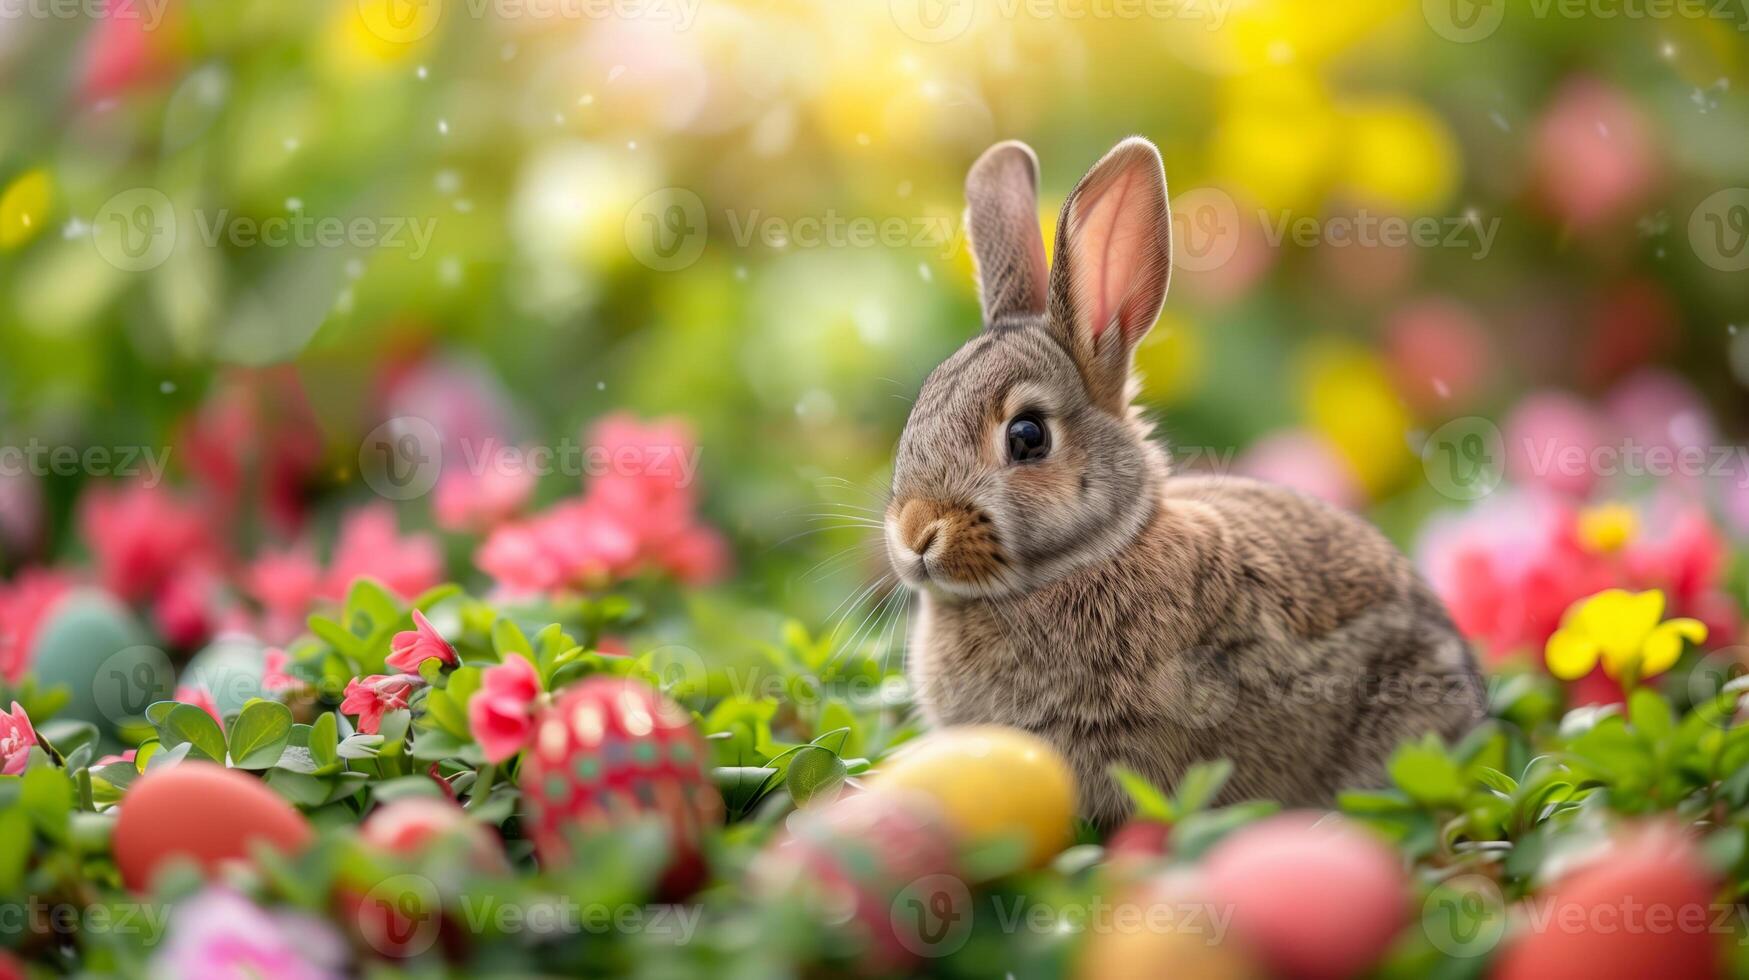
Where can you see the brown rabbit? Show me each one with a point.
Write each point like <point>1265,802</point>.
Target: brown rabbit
<point>1068,585</point>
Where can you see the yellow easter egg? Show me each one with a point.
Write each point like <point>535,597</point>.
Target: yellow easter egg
<point>989,783</point>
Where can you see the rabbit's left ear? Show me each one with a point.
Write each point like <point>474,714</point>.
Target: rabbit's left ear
<point>1002,219</point>
<point>1113,260</point>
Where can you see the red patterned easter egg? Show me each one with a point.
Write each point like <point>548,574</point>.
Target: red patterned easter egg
<point>611,750</point>
<point>878,868</point>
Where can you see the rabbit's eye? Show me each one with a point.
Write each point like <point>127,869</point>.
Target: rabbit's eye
<point>1028,439</point>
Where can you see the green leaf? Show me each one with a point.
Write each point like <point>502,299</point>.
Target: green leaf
<point>1650,714</point>
<point>1151,803</point>
<point>1427,774</point>
<point>47,795</point>
<point>336,636</point>
<point>742,786</point>
<point>260,734</point>
<point>360,746</point>
<point>325,740</point>
<point>300,788</point>
<point>372,603</point>
<point>507,639</point>
<point>15,847</point>
<point>1200,785</point>
<point>814,773</point>
<point>189,725</point>
<point>1496,780</point>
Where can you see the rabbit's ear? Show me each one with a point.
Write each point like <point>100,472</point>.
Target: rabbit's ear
<point>1002,220</point>
<point>1113,259</point>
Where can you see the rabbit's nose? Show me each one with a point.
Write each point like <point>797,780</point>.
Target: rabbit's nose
<point>919,523</point>
<point>921,542</point>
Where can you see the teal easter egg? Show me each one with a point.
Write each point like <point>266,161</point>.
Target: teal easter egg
<point>230,667</point>
<point>93,646</point>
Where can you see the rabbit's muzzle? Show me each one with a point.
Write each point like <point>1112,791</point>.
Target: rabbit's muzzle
<point>946,543</point>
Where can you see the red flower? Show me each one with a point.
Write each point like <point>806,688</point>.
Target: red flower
<point>141,535</point>
<point>371,546</point>
<point>371,697</point>
<point>25,605</point>
<point>413,647</point>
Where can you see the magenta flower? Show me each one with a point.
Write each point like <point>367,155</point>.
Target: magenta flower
<point>372,697</point>
<point>218,934</point>
<point>469,501</point>
<point>501,714</point>
<point>413,647</point>
<point>16,738</point>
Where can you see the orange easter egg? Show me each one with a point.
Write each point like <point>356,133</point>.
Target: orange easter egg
<point>202,812</point>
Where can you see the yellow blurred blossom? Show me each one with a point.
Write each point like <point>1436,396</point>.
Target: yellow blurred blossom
<point>1607,527</point>
<point>1277,138</point>
<point>1170,360</point>
<point>366,35</point>
<point>1621,629</point>
<point>1348,397</point>
<point>1398,153</point>
<point>24,207</point>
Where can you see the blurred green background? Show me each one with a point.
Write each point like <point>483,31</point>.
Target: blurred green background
<point>522,215</point>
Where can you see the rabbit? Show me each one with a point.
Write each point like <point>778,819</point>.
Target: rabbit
<point>1069,585</point>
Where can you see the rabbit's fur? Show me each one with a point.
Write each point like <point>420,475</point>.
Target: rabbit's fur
<point>1126,615</point>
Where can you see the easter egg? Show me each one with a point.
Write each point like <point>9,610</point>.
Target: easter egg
<point>990,782</point>
<point>230,667</point>
<point>610,750</point>
<point>1318,900</point>
<point>203,812</point>
<point>1164,927</point>
<point>406,827</point>
<point>1645,908</point>
<point>879,868</point>
<point>93,646</point>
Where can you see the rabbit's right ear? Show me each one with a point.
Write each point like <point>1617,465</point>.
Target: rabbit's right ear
<point>1002,220</point>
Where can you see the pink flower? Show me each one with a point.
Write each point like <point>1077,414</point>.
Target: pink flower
<point>1305,461</point>
<point>371,546</point>
<point>1552,440</point>
<point>371,697</point>
<point>110,760</point>
<point>286,583</point>
<point>219,935</point>
<point>25,605</point>
<point>467,501</point>
<point>191,605</point>
<point>16,739</point>
<point>413,647</point>
<point>501,714</point>
<point>1596,154</point>
<point>140,535</point>
<point>1439,352</point>
<point>200,697</point>
<point>121,54</point>
<point>274,677</point>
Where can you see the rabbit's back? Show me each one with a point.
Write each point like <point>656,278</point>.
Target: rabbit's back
<point>1247,621</point>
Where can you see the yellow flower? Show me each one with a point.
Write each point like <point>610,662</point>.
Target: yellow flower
<point>24,207</point>
<point>1606,528</point>
<point>1622,629</point>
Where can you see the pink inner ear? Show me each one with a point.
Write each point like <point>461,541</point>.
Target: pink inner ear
<point>1110,249</point>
